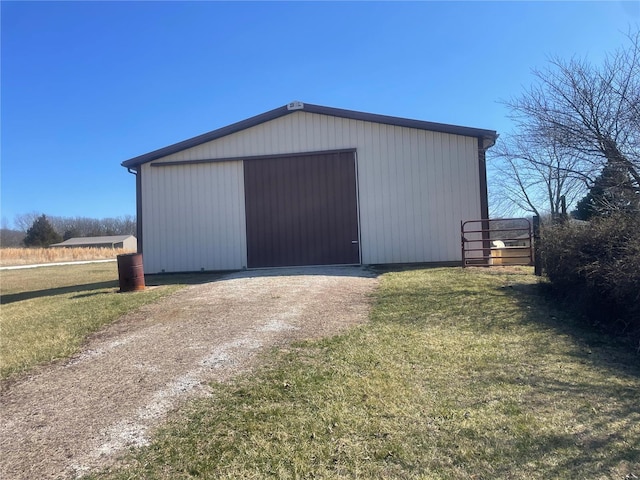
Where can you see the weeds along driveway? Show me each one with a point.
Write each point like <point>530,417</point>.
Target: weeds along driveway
<point>72,416</point>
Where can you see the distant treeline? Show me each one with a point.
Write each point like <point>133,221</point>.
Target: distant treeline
<point>68,227</point>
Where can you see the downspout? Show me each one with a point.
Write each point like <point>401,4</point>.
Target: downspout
<point>138,174</point>
<point>484,144</point>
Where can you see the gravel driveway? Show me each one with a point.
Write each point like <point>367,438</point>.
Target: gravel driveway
<point>74,416</point>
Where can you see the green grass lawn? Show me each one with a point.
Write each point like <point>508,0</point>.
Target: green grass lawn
<point>460,374</point>
<point>48,312</point>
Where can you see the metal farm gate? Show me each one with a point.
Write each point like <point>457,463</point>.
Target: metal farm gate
<point>497,242</point>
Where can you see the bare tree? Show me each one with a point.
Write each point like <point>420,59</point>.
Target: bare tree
<point>81,226</point>
<point>23,221</point>
<point>91,227</point>
<point>585,116</point>
<point>533,174</point>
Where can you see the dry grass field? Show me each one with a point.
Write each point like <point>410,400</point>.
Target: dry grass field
<point>30,256</point>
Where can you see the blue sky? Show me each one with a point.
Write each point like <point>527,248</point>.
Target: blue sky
<point>87,85</point>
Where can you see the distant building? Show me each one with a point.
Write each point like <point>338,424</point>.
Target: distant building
<point>127,242</point>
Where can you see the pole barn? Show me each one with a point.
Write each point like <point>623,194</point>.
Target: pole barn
<point>310,185</point>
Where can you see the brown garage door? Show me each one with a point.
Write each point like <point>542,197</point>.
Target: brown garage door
<point>301,210</point>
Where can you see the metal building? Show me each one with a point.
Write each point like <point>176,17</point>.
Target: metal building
<point>126,242</point>
<point>310,185</point>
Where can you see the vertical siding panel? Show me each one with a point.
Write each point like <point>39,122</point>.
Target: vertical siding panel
<point>268,141</point>
<point>425,184</point>
<point>437,194</point>
<point>225,195</point>
<point>364,183</point>
<point>403,168</point>
<point>239,240</point>
<point>474,171</point>
<point>199,216</point>
<point>416,203</point>
<point>447,175</point>
<point>282,134</point>
<point>292,146</point>
<point>420,185</point>
<point>468,196</point>
<point>312,126</point>
<point>467,192</point>
<point>147,212</point>
<point>406,188</point>
<point>324,131</point>
<point>189,233</point>
<point>163,213</point>
<point>303,127</point>
<point>205,230</point>
<point>240,217</point>
<point>404,192</point>
<point>184,205</point>
<point>256,141</point>
<point>472,197</point>
<point>231,146</point>
<point>193,229</point>
<point>157,240</point>
<point>381,224</point>
<point>399,247</point>
<point>361,139</point>
<point>469,169</point>
<point>206,179</point>
<point>178,226</point>
<point>385,165</point>
<point>168,214</point>
<point>331,131</point>
<point>290,141</point>
<point>392,195</point>
<point>433,192</point>
<point>152,242</point>
<point>191,190</point>
<point>461,190</point>
<point>412,198</point>
<point>225,209</point>
<point>448,204</point>
<point>337,130</point>
<point>373,162</point>
<point>217,216</point>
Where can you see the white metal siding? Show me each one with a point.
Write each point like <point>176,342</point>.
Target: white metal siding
<point>130,243</point>
<point>193,217</point>
<point>414,188</point>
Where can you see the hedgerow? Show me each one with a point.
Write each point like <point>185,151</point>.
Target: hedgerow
<point>596,264</point>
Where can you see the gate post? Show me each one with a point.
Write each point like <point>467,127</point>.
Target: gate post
<point>537,261</point>
<point>464,262</point>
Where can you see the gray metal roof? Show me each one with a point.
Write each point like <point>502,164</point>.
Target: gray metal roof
<point>92,240</point>
<point>489,136</point>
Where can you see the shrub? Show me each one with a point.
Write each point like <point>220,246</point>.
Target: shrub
<point>41,233</point>
<point>597,264</point>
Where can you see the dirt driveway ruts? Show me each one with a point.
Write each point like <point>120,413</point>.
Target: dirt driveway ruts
<point>73,416</point>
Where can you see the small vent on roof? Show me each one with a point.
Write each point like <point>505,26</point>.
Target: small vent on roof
<point>295,105</point>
